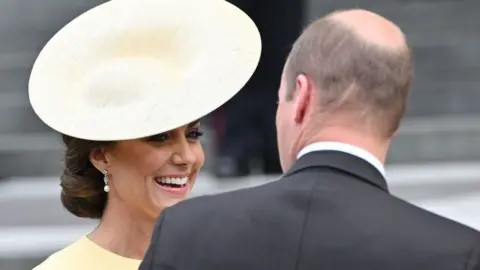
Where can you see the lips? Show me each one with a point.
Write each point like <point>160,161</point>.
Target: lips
<point>175,182</point>
<point>173,185</point>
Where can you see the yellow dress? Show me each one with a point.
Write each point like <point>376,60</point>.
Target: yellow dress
<point>85,254</point>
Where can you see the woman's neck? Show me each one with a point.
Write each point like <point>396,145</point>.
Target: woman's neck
<point>123,233</point>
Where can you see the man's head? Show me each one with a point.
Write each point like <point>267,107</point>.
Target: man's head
<point>347,79</point>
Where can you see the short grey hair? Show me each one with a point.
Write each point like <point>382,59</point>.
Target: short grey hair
<point>352,74</point>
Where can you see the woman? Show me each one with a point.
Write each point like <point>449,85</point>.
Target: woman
<point>125,84</point>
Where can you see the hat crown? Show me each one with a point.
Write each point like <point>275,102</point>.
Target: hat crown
<point>135,79</point>
<point>130,69</point>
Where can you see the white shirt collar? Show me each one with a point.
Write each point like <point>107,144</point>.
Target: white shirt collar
<point>346,148</point>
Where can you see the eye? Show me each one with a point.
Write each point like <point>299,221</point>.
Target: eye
<point>162,137</point>
<point>194,134</point>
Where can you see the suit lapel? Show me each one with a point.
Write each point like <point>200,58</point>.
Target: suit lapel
<point>346,163</point>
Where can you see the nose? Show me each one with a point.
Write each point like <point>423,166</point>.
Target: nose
<point>183,154</point>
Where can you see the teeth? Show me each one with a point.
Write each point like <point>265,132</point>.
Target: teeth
<point>176,181</point>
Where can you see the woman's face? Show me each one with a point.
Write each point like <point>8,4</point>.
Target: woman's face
<point>148,175</point>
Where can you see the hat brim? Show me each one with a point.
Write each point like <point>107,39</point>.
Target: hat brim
<point>131,69</point>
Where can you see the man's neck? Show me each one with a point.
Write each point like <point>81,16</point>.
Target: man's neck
<point>123,233</point>
<point>374,146</point>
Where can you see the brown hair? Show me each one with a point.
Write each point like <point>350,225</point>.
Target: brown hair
<point>82,184</point>
<point>352,74</point>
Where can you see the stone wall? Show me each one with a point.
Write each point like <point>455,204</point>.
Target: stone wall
<point>443,34</point>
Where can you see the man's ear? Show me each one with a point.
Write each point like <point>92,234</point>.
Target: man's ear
<point>99,159</point>
<point>303,91</point>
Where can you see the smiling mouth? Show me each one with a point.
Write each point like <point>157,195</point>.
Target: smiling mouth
<point>172,182</point>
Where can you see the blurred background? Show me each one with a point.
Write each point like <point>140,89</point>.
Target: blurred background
<point>434,161</point>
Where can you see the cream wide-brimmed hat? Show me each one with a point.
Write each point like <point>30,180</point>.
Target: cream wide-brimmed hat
<point>129,69</point>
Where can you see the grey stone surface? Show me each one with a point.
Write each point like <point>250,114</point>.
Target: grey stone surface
<point>444,36</point>
<point>46,211</point>
<point>21,264</point>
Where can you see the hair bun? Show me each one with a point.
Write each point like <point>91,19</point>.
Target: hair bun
<point>83,196</point>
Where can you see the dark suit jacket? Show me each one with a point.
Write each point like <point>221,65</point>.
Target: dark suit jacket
<point>330,211</point>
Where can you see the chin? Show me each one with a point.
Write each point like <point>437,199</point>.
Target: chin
<point>162,204</point>
<point>167,192</point>
<point>171,203</point>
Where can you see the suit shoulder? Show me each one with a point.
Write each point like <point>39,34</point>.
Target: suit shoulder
<point>429,227</point>
<point>224,204</point>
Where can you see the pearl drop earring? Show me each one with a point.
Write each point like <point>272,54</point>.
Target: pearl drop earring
<point>106,188</point>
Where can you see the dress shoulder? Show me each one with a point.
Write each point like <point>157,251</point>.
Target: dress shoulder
<point>69,257</point>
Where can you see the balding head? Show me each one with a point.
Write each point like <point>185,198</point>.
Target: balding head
<point>360,64</point>
<point>370,28</point>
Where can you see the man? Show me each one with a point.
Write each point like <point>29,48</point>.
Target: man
<point>342,96</point>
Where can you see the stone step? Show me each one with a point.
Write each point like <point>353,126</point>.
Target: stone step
<point>30,163</point>
<point>452,22</point>
<point>30,154</point>
<point>441,57</point>
<point>419,141</point>
<point>16,66</point>
<point>437,140</point>
<point>431,99</point>
<point>21,263</point>
<point>41,15</point>
<point>20,119</point>
<point>41,153</point>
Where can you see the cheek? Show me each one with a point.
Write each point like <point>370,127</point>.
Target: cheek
<point>278,117</point>
<point>134,181</point>
<point>133,170</point>
<point>197,150</point>
<point>281,120</point>
<point>285,126</point>
<point>153,161</point>
<point>143,164</point>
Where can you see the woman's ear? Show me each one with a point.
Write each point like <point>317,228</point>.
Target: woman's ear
<point>99,159</point>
